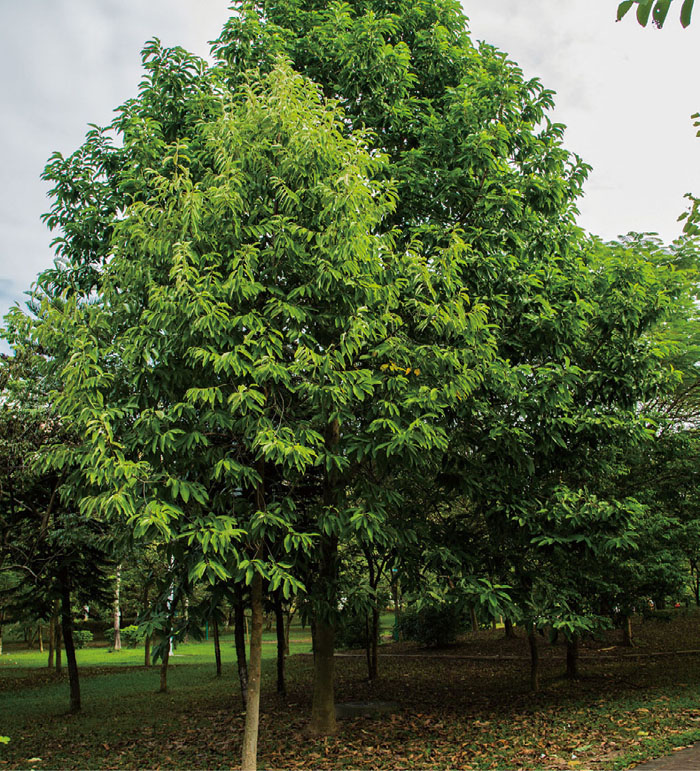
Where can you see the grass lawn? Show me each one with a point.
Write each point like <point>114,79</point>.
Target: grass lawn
<point>464,707</point>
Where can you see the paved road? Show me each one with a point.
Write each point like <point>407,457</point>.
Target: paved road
<point>683,760</point>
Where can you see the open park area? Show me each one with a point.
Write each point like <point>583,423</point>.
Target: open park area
<point>465,706</point>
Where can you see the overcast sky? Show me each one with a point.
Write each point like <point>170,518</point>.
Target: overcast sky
<point>625,93</point>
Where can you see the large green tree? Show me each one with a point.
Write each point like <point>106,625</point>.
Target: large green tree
<point>255,338</point>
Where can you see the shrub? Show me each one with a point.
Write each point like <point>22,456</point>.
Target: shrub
<point>81,637</point>
<point>129,635</point>
<point>432,625</point>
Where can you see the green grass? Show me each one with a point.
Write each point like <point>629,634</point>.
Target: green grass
<point>454,712</point>
<point>190,653</point>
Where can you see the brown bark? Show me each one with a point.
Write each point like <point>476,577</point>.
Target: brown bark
<point>67,629</point>
<point>57,631</point>
<point>396,592</point>
<point>52,642</point>
<point>627,638</point>
<point>474,619</point>
<point>239,635</point>
<point>41,638</point>
<point>508,627</point>
<point>252,714</point>
<point>287,626</point>
<point>164,666</point>
<point>534,659</point>
<point>281,644</point>
<point>217,645</point>
<point>323,704</point>
<point>572,647</point>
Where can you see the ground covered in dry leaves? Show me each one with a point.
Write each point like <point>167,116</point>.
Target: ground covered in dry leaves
<point>466,707</point>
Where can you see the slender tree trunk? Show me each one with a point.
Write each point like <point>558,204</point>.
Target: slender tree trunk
<point>164,667</point>
<point>147,651</point>
<point>168,632</point>
<point>572,646</point>
<point>627,638</point>
<point>323,704</point>
<point>41,638</point>
<point>67,629</point>
<point>117,645</point>
<point>52,642</point>
<point>239,635</point>
<point>534,659</point>
<point>57,631</point>
<point>509,630</point>
<point>396,592</point>
<point>287,627</point>
<point>281,643</point>
<point>474,619</point>
<point>186,604</point>
<point>252,714</point>
<point>217,645</point>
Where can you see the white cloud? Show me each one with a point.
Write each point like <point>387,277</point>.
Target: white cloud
<point>625,93</point>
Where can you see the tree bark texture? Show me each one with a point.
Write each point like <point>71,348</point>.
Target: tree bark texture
<point>239,634</point>
<point>252,714</point>
<point>508,627</point>
<point>67,629</point>
<point>534,659</point>
<point>52,642</point>
<point>217,645</point>
<point>323,704</point>
<point>57,632</point>
<point>474,619</point>
<point>164,667</point>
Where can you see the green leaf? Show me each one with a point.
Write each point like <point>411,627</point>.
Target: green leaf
<point>643,11</point>
<point>660,12</point>
<point>686,12</point>
<point>623,8</point>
